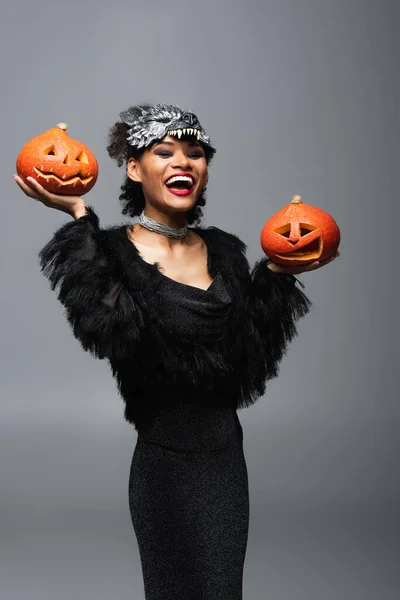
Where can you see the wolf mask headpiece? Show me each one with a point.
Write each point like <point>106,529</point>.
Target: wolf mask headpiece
<point>150,123</point>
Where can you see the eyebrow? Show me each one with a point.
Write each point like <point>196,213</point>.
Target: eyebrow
<point>194,143</point>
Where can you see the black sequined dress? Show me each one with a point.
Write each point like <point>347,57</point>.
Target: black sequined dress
<point>188,486</point>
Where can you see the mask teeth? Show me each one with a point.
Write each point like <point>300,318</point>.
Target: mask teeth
<point>190,131</point>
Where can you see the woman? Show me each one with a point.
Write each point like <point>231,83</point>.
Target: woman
<point>191,334</point>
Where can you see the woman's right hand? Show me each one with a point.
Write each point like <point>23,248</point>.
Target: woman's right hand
<point>72,205</point>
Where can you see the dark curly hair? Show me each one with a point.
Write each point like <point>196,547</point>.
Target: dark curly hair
<point>132,197</point>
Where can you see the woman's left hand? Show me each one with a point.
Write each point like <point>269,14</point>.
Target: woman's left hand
<point>296,270</point>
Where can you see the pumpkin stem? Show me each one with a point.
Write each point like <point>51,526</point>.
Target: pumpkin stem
<point>62,126</point>
<point>297,200</point>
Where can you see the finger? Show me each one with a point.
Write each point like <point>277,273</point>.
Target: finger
<point>25,187</point>
<point>283,270</point>
<point>314,265</point>
<point>36,185</point>
<point>44,196</point>
<point>333,256</point>
<point>326,261</point>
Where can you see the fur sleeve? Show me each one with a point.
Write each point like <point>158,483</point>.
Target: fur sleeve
<point>265,309</point>
<point>102,314</point>
<point>274,306</point>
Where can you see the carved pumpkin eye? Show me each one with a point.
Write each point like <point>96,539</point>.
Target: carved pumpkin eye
<point>51,151</point>
<point>305,228</point>
<point>284,230</point>
<point>82,157</point>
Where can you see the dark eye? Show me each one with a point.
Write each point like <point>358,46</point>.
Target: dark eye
<point>196,155</point>
<point>163,153</point>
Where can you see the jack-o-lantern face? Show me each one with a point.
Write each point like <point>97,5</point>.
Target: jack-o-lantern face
<point>59,163</point>
<point>299,234</point>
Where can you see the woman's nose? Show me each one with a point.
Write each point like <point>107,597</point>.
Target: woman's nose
<point>181,160</point>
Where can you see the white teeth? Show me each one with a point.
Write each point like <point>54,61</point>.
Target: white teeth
<point>184,131</point>
<point>179,178</point>
<point>179,133</point>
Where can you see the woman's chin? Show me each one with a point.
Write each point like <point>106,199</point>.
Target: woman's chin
<point>182,202</point>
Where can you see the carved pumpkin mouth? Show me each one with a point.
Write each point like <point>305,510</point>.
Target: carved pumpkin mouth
<point>71,181</point>
<point>313,250</point>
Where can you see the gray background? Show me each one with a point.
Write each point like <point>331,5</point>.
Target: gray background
<point>299,97</point>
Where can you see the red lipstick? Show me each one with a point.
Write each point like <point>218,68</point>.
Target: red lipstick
<point>177,191</point>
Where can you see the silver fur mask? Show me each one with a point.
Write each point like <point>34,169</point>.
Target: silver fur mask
<point>148,125</point>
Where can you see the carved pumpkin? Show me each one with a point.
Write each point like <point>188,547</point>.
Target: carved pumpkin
<point>59,163</point>
<point>299,234</point>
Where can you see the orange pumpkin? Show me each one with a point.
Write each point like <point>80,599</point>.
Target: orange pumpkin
<point>59,163</point>
<point>299,234</point>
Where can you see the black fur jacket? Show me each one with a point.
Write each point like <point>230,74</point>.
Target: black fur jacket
<point>111,303</point>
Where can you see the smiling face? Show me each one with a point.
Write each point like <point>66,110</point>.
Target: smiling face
<point>173,172</point>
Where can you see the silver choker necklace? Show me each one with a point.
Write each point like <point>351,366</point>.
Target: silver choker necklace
<point>158,227</point>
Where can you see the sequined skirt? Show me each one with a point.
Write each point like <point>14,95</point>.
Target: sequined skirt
<point>189,503</point>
